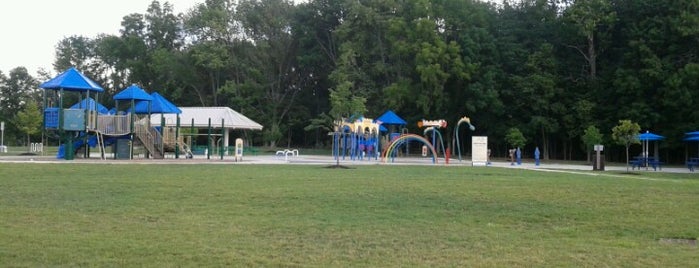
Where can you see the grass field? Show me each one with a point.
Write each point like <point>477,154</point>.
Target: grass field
<point>376,215</point>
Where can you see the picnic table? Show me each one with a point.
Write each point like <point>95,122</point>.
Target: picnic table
<point>692,163</point>
<point>646,161</point>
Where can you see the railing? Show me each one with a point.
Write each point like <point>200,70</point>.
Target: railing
<point>150,138</point>
<point>113,124</point>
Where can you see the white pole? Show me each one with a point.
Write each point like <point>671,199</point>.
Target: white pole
<point>2,138</point>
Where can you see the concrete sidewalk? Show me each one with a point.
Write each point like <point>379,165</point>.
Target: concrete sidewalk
<point>327,160</point>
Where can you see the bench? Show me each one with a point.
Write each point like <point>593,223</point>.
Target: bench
<point>287,152</point>
<point>656,165</point>
<point>636,164</point>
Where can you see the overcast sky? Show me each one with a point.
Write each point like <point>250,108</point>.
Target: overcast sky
<point>32,28</point>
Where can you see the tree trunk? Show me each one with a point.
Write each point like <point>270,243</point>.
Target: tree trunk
<point>592,56</point>
<point>544,144</point>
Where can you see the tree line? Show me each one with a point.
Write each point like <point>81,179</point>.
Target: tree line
<point>552,70</point>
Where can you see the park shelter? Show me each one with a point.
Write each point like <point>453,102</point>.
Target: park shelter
<point>214,117</point>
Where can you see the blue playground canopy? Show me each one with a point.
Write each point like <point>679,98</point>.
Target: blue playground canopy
<point>72,80</point>
<point>158,105</point>
<point>391,118</point>
<point>133,92</point>
<point>90,104</point>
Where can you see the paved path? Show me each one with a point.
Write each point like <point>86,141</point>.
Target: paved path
<point>324,160</point>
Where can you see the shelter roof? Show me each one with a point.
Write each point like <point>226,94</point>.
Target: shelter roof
<point>201,115</point>
<point>72,80</point>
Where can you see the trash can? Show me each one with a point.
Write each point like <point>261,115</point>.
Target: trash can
<point>597,165</point>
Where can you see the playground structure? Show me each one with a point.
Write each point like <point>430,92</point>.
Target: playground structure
<point>140,123</point>
<point>74,125</point>
<point>89,125</point>
<point>361,137</point>
<point>357,138</point>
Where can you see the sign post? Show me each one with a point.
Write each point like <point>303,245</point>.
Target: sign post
<point>479,148</point>
<point>599,164</point>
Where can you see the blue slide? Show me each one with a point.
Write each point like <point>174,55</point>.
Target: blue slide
<point>80,142</point>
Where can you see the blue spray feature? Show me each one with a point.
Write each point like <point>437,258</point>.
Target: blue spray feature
<point>456,132</point>
<point>435,133</point>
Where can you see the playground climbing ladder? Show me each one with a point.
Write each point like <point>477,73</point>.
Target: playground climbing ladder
<point>100,144</point>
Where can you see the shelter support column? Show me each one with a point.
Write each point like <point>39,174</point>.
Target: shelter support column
<point>226,135</point>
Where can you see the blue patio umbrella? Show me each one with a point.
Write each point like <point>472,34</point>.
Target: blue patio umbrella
<point>692,136</point>
<point>646,137</point>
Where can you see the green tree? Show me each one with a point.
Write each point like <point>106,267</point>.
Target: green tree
<point>591,18</point>
<point>213,60</point>
<point>28,120</point>
<point>314,27</point>
<point>515,138</point>
<point>344,104</point>
<point>162,27</point>
<point>626,133</point>
<point>15,91</point>
<point>591,137</point>
<point>272,60</point>
<point>540,95</point>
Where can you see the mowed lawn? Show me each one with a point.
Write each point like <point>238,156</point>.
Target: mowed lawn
<point>152,215</point>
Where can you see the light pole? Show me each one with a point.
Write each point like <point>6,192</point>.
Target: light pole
<point>2,137</point>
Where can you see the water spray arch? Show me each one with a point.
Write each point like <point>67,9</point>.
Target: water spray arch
<point>404,139</point>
